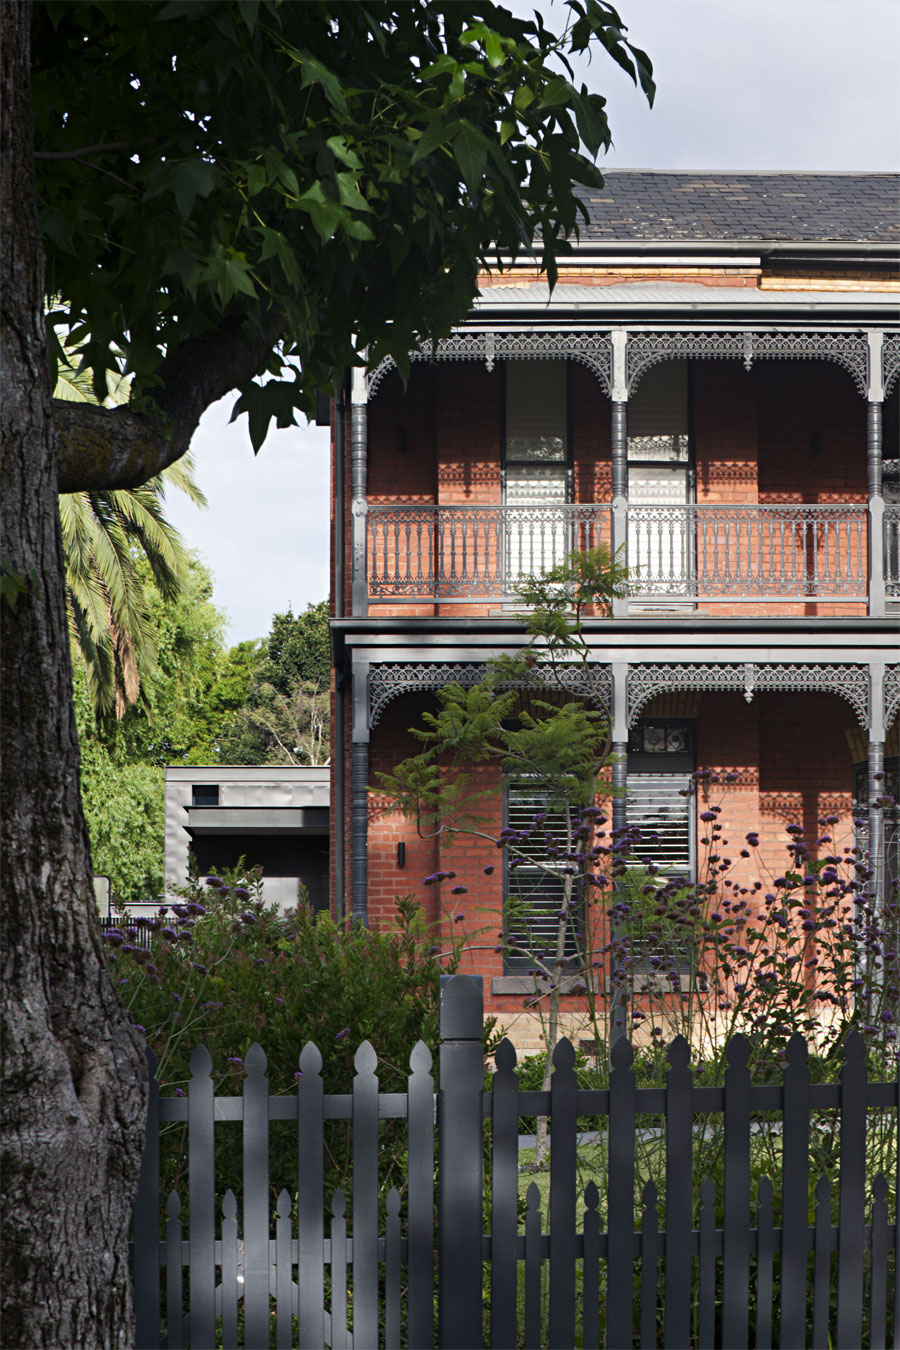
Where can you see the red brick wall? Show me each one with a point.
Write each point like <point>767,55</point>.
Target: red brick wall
<point>792,763</point>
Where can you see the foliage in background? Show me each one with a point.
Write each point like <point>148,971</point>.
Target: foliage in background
<point>191,691</point>
<point>286,718</point>
<point>226,971</point>
<point>104,533</point>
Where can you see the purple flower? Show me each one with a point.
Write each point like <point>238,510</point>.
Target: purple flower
<point>488,871</point>
<point>460,890</point>
<point>707,815</point>
<point>179,1092</point>
<point>137,1026</point>
<point>343,1032</point>
<point>458,918</point>
<point>235,1059</point>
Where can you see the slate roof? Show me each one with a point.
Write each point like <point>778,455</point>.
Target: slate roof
<point>647,206</point>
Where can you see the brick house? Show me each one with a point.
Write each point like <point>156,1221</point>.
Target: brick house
<point>712,388</point>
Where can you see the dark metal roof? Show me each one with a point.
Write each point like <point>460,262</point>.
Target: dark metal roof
<point>672,207</point>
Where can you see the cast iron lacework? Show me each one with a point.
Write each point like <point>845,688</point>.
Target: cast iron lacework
<point>850,350</point>
<point>849,682</point>
<point>593,350</point>
<point>890,361</point>
<point>387,681</point>
<point>891,694</point>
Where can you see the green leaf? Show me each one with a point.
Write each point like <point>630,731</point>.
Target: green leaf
<point>236,277</point>
<point>256,179</point>
<point>190,180</point>
<point>523,98</point>
<point>558,91</point>
<point>340,149</point>
<point>493,48</point>
<point>436,134</point>
<point>471,155</point>
<point>348,187</point>
<point>313,72</point>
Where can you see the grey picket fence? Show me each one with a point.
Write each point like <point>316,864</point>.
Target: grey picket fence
<point>721,1273</point>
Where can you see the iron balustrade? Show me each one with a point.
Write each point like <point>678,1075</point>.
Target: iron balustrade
<point>460,553</point>
<point>777,553</point>
<point>892,551</point>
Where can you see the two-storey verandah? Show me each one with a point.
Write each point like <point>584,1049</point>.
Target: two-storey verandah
<point>746,602</point>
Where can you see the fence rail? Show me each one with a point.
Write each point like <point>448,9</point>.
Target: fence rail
<point>732,1266</point>
<point>779,553</point>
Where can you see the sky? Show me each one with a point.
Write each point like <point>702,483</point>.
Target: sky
<point>741,84</point>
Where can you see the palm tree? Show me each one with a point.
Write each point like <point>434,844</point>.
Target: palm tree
<point>104,535</point>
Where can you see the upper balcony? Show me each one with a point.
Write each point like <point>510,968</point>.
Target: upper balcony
<point>733,488</point>
<point>677,555</point>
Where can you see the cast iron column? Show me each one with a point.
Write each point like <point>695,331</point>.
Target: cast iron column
<point>619,435</point>
<point>874,472</point>
<point>359,431</point>
<point>359,830</point>
<point>618,1006</point>
<point>875,785</point>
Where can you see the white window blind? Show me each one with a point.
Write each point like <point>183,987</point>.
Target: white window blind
<point>654,805</point>
<point>658,414</point>
<point>535,894</point>
<point>536,411</point>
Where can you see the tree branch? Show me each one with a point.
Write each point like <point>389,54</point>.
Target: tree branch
<point>100,448</point>
<point>102,147</point>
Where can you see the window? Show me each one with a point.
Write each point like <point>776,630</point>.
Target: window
<point>660,763</point>
<point>536,470</point>
<point>659,476</point>
<point>533,897</point>
<point>204,794</point>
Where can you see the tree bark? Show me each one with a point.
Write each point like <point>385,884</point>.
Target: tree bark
<point>74,1091</point>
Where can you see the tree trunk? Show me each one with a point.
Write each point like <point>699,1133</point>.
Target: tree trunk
<point>74,1077</point>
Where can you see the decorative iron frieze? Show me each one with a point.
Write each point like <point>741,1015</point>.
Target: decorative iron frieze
<point>646,349</point>
<point>748,678</point>
<point>593,350</point>
<point>891,695</point>
<point>389,680</point>
<point>890,361</point>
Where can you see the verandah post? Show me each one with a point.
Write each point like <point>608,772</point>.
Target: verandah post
<point>460,1166</point>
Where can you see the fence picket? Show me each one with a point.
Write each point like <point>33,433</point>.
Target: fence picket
<point>764,1250</point>
<point>851,1202</point>
<point>706,1293</point>
<point>392,1272</point>
<point>201,1193</point>
<point>736,1199</point>
<point>460,1162</point>
<point>255,1230</point>
<point>146,1224</point>
<point>310,1198</point>
<point>284,1321</point>
<point>339,1340</point>
<point>822,1265</point>
<point>504,1195</point>
<point>679,1149</point>
<point>245,1255</point>
<point>229,1280</point>
<point>420,1199</point>
<point>649,1266</point>
<point>564,1123</point>
<point>878,1280</point>
<point>620,1199</point>
<point>365,1197</point>
<point>794,1193</point>
<point>174,1274</point>
<point>533,1268</point>
<point>590,1270</point>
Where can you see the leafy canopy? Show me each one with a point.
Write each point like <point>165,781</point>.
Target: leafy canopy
<point>330,174</point>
